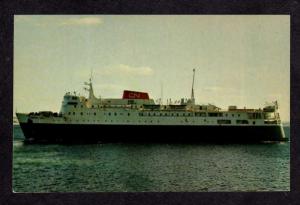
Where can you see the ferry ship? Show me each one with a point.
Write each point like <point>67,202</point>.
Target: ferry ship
<point>137,118</point>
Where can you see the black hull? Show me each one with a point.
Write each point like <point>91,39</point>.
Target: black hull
<point>71,133</point>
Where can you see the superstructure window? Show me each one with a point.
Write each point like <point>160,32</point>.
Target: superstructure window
<point>73,113</point>
<point>128,114</point>
<point>94,113</point>
<point>109,114</point>
<point>81,113</point>
<point>115,114</point>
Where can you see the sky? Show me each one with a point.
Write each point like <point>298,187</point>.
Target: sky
<point>241,60</point>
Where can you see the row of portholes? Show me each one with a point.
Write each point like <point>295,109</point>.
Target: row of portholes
<point>165,114</point>
<point>109,114</point>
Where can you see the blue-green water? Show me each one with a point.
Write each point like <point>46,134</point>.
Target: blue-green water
<point>150,167</point>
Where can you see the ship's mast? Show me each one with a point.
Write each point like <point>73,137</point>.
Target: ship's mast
<point>192,94</point>
<point>90,89</point>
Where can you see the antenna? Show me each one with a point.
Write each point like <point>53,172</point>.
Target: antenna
<point>192,95</point>
<point>91,77</point>
<point>161,92</point>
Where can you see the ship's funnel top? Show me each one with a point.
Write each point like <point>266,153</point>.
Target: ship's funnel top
<point>128,94</point>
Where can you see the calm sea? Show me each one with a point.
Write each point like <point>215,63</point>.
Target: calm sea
<point>150,167</point>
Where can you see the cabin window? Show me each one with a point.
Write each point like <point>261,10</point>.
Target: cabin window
<point>224,121</point>
<point>189,114</point>
<point>166,114</point>
<point>200,107</point>
<point>130,102</point>
<point>215,114</point>
<point>149,114</point>
<point>81,106</point>
<point>177,114</point>
<point>160,114</point>
<point>109,113</point>
<point>226,115</point>
<point>232,115</point>
<point>69,113</point>
<point>183,114</point>
<point>153,114</point>
<point>238,115</point>
<point>242,122</point>
<point>128,114</point>
<point>115,114</point>
<point>253,122</point>
<point>94,113</point>
<point>73,113</point>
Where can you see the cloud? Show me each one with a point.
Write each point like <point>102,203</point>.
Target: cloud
<point>77,21</point>
<point>127,70</point>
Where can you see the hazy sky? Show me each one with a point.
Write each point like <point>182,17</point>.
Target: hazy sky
<point>239,60</point>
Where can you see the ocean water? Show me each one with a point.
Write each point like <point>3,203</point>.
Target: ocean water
<point>150,167</point>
